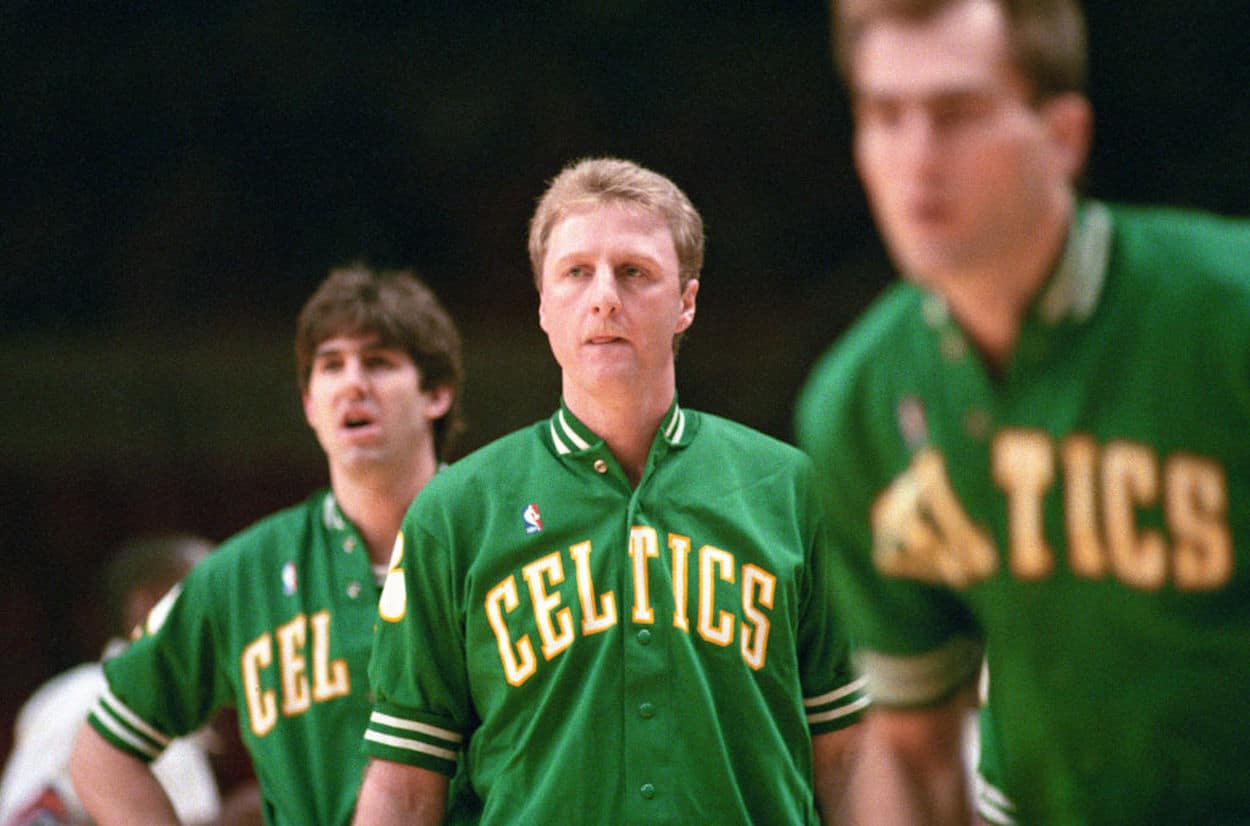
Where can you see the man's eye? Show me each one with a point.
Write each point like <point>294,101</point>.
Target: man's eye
<point>634,272</point>
<point>962,111</point>
<point>577,272</point>
<point>880,113</point>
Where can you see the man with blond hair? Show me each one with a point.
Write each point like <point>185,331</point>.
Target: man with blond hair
<point>620,614</point>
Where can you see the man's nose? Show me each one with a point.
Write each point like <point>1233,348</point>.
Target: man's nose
<point>605,299</point>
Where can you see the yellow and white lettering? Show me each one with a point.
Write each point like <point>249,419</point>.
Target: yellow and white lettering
<point>680,548</point>
<point>330,679</point>
<point>1086,555</point>
<point>262,708</point>
<point>714,563</point>
<point>597,614</point>
<point>544,603</point>
<point>292,636</point>
<point>1196,505</point>
<point>515,671</point>
<point>922,532</point>
<point>643,545</point>
<point>1130,478</point>
<point>393,603</point>
<point>1024,467</point>
<point>755,626</point>
<point>160,612</point>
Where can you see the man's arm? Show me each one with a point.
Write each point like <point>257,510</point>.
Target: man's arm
<point>398,793</point>
<point>910,768</point>
<point>833,757</point>
<point>115,787</point>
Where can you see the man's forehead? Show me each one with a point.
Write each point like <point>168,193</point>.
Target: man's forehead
<point>963,48</point>
<point>357,342</point>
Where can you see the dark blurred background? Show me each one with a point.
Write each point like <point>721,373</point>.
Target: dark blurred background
<point>179,176</point>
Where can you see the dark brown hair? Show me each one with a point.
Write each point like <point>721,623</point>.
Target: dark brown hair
<point>403,313</point>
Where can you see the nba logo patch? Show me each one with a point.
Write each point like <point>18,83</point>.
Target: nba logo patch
<point>289,582</point>
<point>532,518</point>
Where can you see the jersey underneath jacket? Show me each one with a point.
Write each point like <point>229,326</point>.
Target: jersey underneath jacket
<point>600,653</point>
<point>278,623</point>
<point>1084,515</point>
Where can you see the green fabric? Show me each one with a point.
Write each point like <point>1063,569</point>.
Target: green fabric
<point>1085,515</point>
<point>293,601</point>
<point>616,714</point>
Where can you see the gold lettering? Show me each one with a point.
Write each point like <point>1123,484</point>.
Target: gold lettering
<point>1086,555</point>
<point>597,615</point>
<point>643,545</point>
<point>515,671</point>
<point>714,563</point>
<point>1024,467</point>
<point>680,547</point>
<point>755,633</point>
<point>1130,479</point>
<point>330,679</point>
<point>921,531</point>
<point>544,603</point>
<point>291,639</point>
<point>262,708</point>
<point>1196,505</point>
<point>393,604</point>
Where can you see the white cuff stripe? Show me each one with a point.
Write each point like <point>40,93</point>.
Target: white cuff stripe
<point>119,709</point>
<point>826,716</point>
<point>410,745</point>
<point>992,804</point>
<point>838,693</point>
<point>413,725</point>
<point>107,720</point>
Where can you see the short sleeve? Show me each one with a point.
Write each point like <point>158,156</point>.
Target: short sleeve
<point>166,683</point>
<point>417,669</point>
<point>834,696</point>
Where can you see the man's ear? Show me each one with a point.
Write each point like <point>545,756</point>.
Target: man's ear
<point>688,294</point>
<point>1070,120</point>
<point>306,403</point>
<point>438,400</point>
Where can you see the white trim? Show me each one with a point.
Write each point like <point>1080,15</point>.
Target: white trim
<point>108,701</point>
<point>561,447</point>
<point>412,725</point>
<point>677,426</point>
<point>992,804</point>
<point>919,679</point>
<point>825,716</point>
<point>106,719</point>
<point>838,693</point>
<point>410,745</point>
<point>578,441</point>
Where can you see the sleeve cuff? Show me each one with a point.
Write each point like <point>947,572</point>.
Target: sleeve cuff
<point>915,681</point>
<point>396,735</point>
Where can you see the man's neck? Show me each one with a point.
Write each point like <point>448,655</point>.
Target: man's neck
<point>990,303</point>
<point>626,423</point>
<point>376,502</point>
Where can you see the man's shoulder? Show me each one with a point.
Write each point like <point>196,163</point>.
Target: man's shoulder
<point>738,439</point>
<point>889,325</point>
<point>277,532</point>
<point>495,462</point>
<point>1166,237</point>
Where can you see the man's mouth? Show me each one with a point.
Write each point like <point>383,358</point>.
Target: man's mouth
<point>356,420</point>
